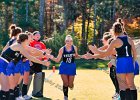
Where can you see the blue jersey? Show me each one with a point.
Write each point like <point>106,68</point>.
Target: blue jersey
<point>125,49</point>
<point>11,41</point>
<point>68,56</point>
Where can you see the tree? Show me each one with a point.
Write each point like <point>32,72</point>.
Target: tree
<point>41,16</point>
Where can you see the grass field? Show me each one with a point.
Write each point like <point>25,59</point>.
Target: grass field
<point>89,85</point>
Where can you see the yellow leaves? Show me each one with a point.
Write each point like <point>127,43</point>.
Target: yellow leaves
<point>135,24</point>
<point>78,28</point>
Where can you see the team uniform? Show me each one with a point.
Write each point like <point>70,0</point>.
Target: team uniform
<point>10,58</point>
<point>67,66</point>
<point>125,65</point>
<point>124,62</point>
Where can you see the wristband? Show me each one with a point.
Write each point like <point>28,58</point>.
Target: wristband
<point>44,53</point>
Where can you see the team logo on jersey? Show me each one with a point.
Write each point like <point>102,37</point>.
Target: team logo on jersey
<point>37,46</point>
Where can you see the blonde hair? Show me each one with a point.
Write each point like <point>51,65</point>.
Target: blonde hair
<point>68,37</point>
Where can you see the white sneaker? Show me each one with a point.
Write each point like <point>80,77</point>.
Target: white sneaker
<point>65,98</point>
<point>116,96</point>
<point>27,97</point>
<point>20,98</point>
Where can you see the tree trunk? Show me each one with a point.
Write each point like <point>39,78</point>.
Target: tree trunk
<point>83,26</point>
<point>65,4</point>
<point>88,26</point>
<point>27,10</point>
<point>95,17</point>
<point>41,16</point>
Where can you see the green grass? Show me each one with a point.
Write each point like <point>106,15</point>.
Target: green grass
<point>86,64</point>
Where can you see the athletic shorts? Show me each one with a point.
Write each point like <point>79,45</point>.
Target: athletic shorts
<point>3,65</point>
<point>67,68</point>
<point>26,66</point>
<point>136,70</point>
<point>35,68</point>
<point>10,69</point>
<point>124,65</point>
<point>19,67</point>
<point>22,67</point>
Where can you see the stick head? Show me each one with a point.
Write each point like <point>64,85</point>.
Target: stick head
<point>53,69</point>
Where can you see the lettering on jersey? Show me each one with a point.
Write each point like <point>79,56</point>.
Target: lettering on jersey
<point>17,54</point>
<point>68,57</point>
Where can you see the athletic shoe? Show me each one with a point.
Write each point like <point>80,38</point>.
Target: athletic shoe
<point>116,96</point>
<point>27,97</point>
<point>65,98</point>
<point>20,98</point>
<point>38,95</point>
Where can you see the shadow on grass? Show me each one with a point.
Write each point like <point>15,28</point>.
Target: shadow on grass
<point>44,98</point>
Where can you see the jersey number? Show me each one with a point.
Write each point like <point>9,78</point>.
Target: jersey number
<point>126,51</point>
<point>68,60</point>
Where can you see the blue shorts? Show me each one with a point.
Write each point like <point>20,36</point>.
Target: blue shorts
<point>67,68</point>
<point>136,71</point>
<point>22,67</point>
<point>10,68</point>
<point>19,68</point>
<point>124,65</point>
<point>3,65</point>
<point>26,66</point>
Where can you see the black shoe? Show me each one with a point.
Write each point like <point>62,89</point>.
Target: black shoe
<point>38,95</point>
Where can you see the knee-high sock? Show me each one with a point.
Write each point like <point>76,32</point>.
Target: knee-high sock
<point>134,94</point>
<point>3,95</point>
<point>11,95</point>
<point>24,89</point>
<point>128,94</point>
<point>65,91</point>
<point>114,78</point>
<point>16,90</point>
<point>123,94</point>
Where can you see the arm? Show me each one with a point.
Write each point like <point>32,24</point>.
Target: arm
<point>101,53</point>
<point>59,56</point>
<point>96,50</point>
<point>103,47</point>
<point>7,45</point>
<point>35,52</point>
<point>76,53</point>
<point>133,48</point>
<point>31,58</point>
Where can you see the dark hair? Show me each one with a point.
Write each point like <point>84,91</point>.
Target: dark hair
<point>117,28</point>
<point>12,26</point>
<point>22,37</point>
<point>36,32</point>
<point>16,31</point>
<point>120,21</point>
<point>110,40</point>
<point>28,33</point>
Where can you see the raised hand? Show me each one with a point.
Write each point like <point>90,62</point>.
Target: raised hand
<point>46,63</point>
<point>48,51</point>
<point>50,56</point>
<point>94,49</point>
<point>88,56</point>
